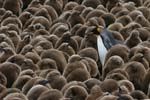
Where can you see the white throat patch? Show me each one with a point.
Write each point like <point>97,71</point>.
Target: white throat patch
<point>102,51</point>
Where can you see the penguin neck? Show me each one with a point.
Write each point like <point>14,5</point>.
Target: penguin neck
<point>102,51</point>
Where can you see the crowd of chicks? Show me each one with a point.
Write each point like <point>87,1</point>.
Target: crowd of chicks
<point>45,54</point>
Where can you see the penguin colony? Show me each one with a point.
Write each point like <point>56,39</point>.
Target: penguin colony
<point>45,53</point>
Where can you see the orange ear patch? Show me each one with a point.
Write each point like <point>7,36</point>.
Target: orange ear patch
<point>99,29</point>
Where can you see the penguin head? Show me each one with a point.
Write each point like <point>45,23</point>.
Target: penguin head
<point>95,30</point>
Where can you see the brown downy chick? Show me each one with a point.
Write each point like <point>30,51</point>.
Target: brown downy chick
<point>56,4</point>
<point>89,52</point>
<point>144,33</point>
<point>3,79</point>
<point>145,51</point>
<point>112,63</point>
<point>17,59</point>
<point>5,38</point>
<point>146,82</point>
<point>76,92</point>
<point>142,21</point>
<point>33,56</point>
<point>16,96</point>
<point>14,37</point>
<point>109,85</point>
<point>9,91</point>
<point>27,48</point>
<point>75,18</point>
<point>2,88</point>
<point>120,74</point>
<point>47,64</point>
<point>72,70</point>
<point>52,94</point>
<point>21,81</point>
<point>6,53</point>
<point>28,64</point>
<point>115,26</point>
<point>120,50</point>
<point>128,84</point>
<point>11,71</point>
<point>34,82</point>
<point>57,56</point>
<point>24,17</point>
<point>43,12</point>
<point>66,37</point>
<point>65,47</point>
<point>91,3</point>
<point>53,39</point>
<point>124,20</point>
<point>111,3</point>
<point>51,11</point>
<point>140,58</point>
<point>12,20</point>
<point>136,72</point>
<point>56,80</point>
<point>137,94</point>
<point>133,40</point>
<point>95,93</point>
<point>36,91</point>
<point>26,40</point>
<point>35,4</point>
<point>14,6</point>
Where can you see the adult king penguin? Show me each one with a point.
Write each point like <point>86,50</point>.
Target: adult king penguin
<point>105,40</point>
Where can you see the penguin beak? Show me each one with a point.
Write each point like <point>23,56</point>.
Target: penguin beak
<point>43,82</point>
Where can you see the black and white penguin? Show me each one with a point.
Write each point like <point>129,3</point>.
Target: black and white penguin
<point>105,40</point>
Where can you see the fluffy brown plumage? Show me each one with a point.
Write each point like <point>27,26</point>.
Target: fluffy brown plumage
<point>53,94</point>
<point>136,73</point>
<point>47,64</point>
<point>89,52</point>
<point>95,93</point>
<point>112,63</point>
<point>57,56</point>
<point>20,81</point>
<point>3,80</point>
<point>76,92</point>
<point>11,71</point>
<point>90,83</point>
<point>107,87</point>
<point>72,70</point>
<point>16,96</point>
<point>133,39</point>
<point>91,3</point>
<point>33,56</point>
<point>140,58</point>
<point>142,21</point>
<point>36,91</point>
<point>9,91</point>
<point>14,6</point>
<point>57,5</point>
<point>120,50</point>
<point>56,80</point>
<point>136,94</point>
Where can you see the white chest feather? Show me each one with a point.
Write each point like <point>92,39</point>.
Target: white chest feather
<point>101,49</point>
